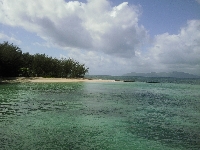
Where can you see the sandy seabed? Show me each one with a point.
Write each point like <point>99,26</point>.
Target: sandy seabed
<point>52,80</point>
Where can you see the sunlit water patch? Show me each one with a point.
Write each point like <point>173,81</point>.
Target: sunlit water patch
<point>115,115</point>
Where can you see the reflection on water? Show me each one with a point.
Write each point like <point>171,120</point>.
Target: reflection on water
<point>99,116</point>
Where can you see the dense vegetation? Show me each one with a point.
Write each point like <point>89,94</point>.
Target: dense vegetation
<point>14,63</point>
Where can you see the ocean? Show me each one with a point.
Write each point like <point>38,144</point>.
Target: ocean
<point>101,116</point>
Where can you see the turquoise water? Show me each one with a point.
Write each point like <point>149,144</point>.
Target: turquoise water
<point>112,115</point>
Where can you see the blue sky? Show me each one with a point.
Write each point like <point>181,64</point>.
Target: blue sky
<point>110,37</point>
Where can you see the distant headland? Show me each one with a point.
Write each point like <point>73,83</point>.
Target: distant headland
<point>173,74</point>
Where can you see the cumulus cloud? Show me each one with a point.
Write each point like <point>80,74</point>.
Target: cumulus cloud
<point>94,25</point>
<point>180,51</point>
<point>177,52</point>
<point>108,39</point>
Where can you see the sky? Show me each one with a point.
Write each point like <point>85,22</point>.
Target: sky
<point>111,37</point>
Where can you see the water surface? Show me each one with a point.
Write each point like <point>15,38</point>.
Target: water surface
<point>109,115</point>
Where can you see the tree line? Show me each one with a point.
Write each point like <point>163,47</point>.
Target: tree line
<point>14,63</point>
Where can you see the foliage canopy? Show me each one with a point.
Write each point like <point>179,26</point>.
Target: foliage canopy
<point>14,63</point>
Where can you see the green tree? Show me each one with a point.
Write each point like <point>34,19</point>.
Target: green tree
<point>39,64</point>
<point>73,69</point>
<point>10,60</point>
<point>13,63</point>
<point>26,69</point>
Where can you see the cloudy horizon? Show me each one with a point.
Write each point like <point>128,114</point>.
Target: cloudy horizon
<point>109,37</point>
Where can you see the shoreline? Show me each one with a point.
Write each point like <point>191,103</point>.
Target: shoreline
<point>49,80</point>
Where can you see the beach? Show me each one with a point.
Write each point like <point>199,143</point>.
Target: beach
<point>51,80</point>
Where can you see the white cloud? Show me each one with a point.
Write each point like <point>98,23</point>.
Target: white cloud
<point>94,25</point>
<point>107,39</point>
<point>101,63</point>
<point>198,1</point>
<point>178,52</point>
<point>4,37</point>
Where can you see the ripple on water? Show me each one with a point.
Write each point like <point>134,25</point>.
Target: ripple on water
<point>99,116</point>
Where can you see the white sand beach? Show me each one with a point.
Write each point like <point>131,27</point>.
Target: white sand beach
<point>53,80</point>
<point>68,80</point>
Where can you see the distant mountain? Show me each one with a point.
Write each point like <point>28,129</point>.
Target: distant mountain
<point>173,74</point>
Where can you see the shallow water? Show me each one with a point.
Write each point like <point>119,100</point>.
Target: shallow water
<point>114,115</point>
